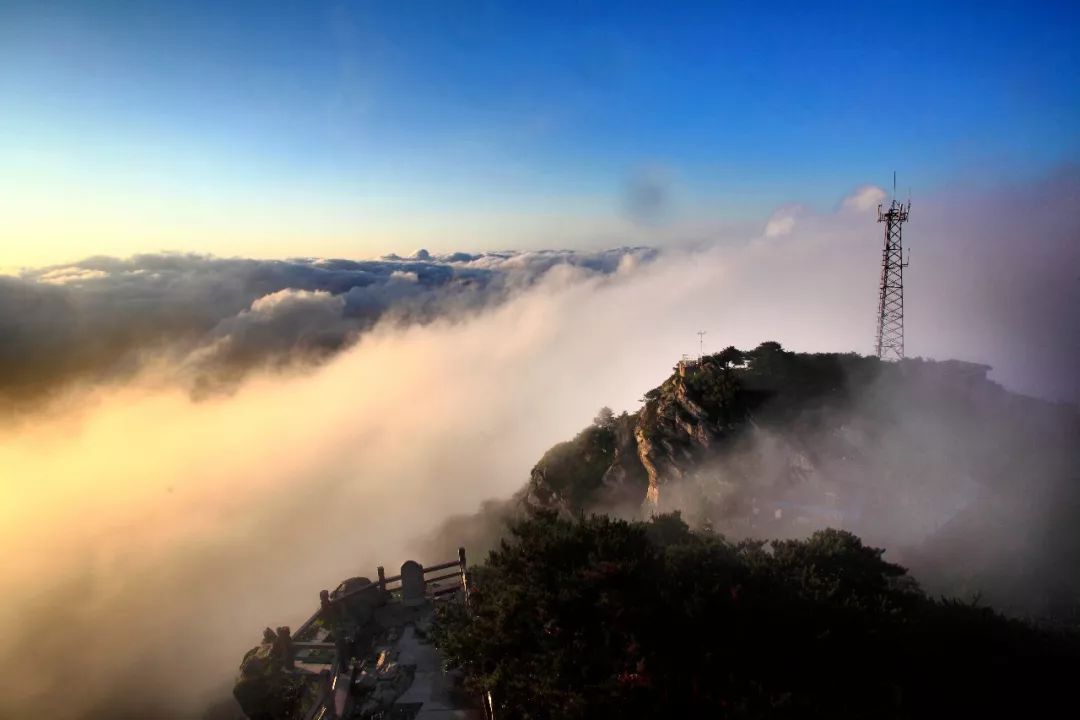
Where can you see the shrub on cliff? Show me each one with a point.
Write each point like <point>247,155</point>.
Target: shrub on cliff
<point>574,470</point>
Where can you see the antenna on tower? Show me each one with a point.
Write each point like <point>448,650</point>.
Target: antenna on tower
<point>890,320</point>
<point>701,344</point>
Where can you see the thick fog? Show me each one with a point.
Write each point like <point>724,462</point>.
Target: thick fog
<point>149,530</point>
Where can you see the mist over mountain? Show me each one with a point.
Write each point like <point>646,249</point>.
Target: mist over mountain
<point>294,291</point>
<point>186,519</point>
<point>213,320</point>
<point>772,534</point>
<point>993,281</point>
<point>972,487</point>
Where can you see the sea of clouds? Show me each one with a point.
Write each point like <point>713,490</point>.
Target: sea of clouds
<point>213,320</point>
<point>192,447</point>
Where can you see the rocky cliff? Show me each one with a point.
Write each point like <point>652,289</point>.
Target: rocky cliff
<point>771,443</point>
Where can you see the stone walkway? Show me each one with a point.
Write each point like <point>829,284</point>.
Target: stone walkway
<point>364,654</point>
<point>431,687</point>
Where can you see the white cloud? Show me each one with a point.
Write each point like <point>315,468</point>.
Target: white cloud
<point>405,276</point>
<point>69,275</point>
<point>864,198</point>
<point>282,300</point>
<point>782,221</point>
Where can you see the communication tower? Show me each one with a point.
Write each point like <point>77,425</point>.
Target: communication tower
<point>890,325</point>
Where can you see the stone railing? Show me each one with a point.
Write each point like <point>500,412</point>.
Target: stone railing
<point>413,585</point>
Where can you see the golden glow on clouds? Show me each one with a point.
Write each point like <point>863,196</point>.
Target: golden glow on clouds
<point>295,482</point>
<point>50,217</point>
<point>206,521</point>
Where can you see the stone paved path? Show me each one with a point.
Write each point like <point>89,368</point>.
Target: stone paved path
<point>430,685</point>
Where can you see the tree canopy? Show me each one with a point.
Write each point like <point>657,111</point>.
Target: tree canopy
<point>598,617</point>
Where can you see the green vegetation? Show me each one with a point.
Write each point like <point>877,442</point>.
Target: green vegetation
<point>598,617</point>
<point>573,470</point>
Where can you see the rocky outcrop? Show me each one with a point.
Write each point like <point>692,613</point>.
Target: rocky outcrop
<point>687,418</point>
<point>786,441</point>
<point>600,466</point>
<point>772,444</point>
<point>268,687</point>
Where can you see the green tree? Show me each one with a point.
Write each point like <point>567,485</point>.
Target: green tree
<point>599,617</point>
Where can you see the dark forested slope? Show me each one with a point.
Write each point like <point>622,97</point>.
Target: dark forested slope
<point>604,618</point>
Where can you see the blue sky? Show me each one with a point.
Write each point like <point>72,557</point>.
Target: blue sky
<point>358,128</point>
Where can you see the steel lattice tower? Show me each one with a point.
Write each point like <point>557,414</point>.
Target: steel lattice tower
<point>890,326</point>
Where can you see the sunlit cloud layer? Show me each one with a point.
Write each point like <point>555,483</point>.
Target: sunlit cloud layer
<point>369,400</point>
